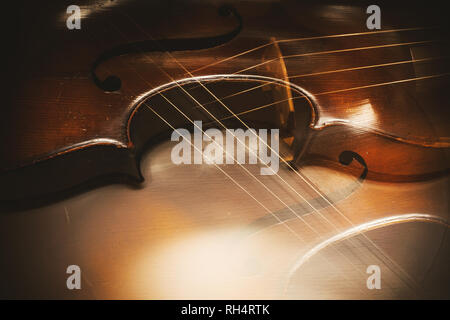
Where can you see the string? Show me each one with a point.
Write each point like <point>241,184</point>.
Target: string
<point>235,182</point>
<point>329,72</point>
<point>247,127</point>
<point>276,153</point>
<point>336,51</point>
<point>312,38</point>
<point>287,206</point>
<point>309,184</point>
<point>282,222</point>
<point>342,90</point>
<point>328,52</point>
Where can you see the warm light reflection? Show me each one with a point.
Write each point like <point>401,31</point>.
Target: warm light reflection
<point>198,266</point>
<point>361,114</point>
<point>212,265</point>
<point>93,8</point>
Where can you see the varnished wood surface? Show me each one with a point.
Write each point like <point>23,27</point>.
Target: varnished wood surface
<point>166,231</point>
<point>180,236</point>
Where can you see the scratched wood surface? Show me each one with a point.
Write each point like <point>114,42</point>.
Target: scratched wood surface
<point>86,176</point>
<point>190,232</point>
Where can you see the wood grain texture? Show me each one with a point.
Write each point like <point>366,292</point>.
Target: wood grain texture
<point>86,176</point>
